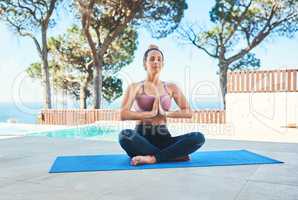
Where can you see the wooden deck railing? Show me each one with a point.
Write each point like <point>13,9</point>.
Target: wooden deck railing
<point>263,81</point>
<point>80,116</point>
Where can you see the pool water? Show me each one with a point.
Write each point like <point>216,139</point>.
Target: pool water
<point>107,131</point>
<point>11,130</point>
<point>86,132</point>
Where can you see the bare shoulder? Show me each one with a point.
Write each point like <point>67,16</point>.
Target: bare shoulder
<point>134,87</point>
<point>129,95</point>
<point>172,87</point>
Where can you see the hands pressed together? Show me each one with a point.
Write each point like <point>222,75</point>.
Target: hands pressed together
<point>157,108</point>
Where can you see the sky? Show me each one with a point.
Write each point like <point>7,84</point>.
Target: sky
<point>191,69</point>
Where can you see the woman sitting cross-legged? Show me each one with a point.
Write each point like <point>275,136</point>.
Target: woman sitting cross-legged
<point>151,142</point>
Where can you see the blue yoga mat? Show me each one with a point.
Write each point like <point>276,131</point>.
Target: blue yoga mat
<point>122,161</point>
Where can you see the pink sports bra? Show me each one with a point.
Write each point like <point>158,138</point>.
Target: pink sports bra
<point>145,102</point>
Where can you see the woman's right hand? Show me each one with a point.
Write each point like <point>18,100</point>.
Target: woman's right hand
<point>155,108</point>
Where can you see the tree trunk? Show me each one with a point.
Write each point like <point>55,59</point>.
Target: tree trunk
<point>98,83</point>
<point>83,96</point>
<point>97,59</point>
<point>45,70</point>
<point>84,87</point>
<point>223,69</point>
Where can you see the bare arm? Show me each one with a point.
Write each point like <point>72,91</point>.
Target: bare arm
<point>185,111</point>
<point>128,99</point>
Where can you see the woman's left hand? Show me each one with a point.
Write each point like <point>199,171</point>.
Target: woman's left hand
<point>161,110</point>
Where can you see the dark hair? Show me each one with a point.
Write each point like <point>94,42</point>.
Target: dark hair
<point>151,48</point>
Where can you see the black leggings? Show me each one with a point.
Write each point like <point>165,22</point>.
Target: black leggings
<point>157,141</point>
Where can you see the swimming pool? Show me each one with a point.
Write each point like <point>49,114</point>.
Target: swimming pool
<point>11,130</point>
<point>103,130</point>
<point>96,132</point>
<point>107,130</point>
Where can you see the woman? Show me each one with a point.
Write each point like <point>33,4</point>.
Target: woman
<point>151,141</point>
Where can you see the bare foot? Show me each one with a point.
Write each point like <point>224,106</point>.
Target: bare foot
<point>138,160</point>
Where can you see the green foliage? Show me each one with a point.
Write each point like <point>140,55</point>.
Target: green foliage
<point>161,17</point>
<point>121,51</point>
<point>112,88</point>
<point>34,71</point>
<point>239,26</point>
<point>72,63</point>
<point>248,61</point>
<point>107,20</point>
<point>26,15</point>
<point>246,19</point>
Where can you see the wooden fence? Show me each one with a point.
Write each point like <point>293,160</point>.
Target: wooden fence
<point>81,116</point>
<point>263,81</point>
<point>242,81</point>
